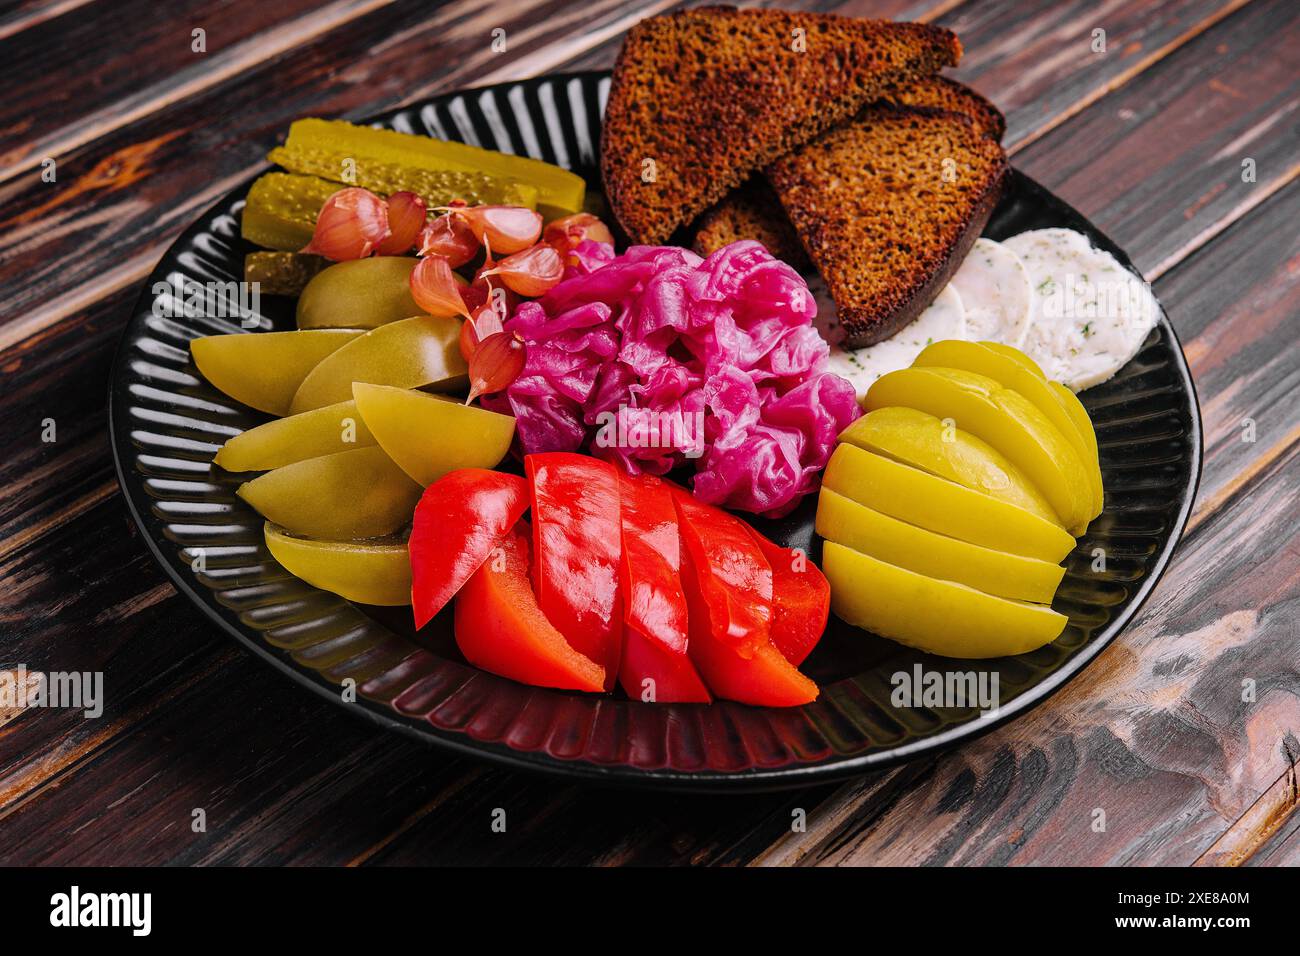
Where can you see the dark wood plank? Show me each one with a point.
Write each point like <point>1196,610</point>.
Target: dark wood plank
<point>1158,163</point>
<point>1234,303</point>
<point>1036,58</point>
<point>119,199</point>
<point>72,766</point>
<point>25,14</point>
<point>1155,733</point>
<point>113,82</point>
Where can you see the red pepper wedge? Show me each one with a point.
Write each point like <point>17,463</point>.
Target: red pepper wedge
<point>801,599</point>
<point>501,628</point>
<point>728,586</point>
<point>576,551</point>
<point>736,581</point>
<point>458,521</point>
<point>655,665</point>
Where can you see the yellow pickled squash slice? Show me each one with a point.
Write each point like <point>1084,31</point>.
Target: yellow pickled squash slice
<point>1001,573</point>
<point>353,494</point>
<point>1010,351</point>
<point>281,209</point>
<point>368,572</point>
<point>322,431</point>
<point>264,369</point>
<point>411,353</point>
<point>937,504</point>
<point>923,441</point>
<point>941,617</point>
<point>559,192</point>
<point>1007,372</point>
<point>1073,407</point>
<point>1004,419</point>
<point>1083,424</point>
<point>437,187</point>
<point>429,436</point>
<point>359,294</point>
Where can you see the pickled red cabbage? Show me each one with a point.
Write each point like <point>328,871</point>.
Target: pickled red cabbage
<point>658,358</point>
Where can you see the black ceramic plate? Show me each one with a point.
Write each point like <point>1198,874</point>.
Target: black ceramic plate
<point>167,422</point>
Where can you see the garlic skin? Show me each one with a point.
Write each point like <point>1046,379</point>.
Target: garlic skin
<point>351,224</point>
<point>406,214</point>
<point>496,363</point>
<point>434,288</point>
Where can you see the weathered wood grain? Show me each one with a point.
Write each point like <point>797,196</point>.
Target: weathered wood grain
<point>1155,733</point>
<point>1282,848</point>
<point>1261,834</point>
<point>1235,303</point>
<point>119,199</point>
<point>26,14</point>
<point>188,706</point>
<point>1038,59</point>
<point>1158,163</point>
<point>106,88</point>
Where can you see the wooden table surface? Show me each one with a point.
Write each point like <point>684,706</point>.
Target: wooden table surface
<point>1149,138</point>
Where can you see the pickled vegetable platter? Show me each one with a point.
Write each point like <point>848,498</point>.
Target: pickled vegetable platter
<point>172,415</point>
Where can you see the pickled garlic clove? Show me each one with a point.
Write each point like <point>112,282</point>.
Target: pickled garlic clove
<point>570,232</point>
<point>485,319</point>
<point>496,363</point>
<point>448,236</point>
<point>434,288</point>
<point>351,223</point>
<point>406,212</point>
<point>532,272</point>
<point>505,229</point>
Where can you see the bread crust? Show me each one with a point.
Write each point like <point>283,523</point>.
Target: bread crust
<point>883,227</point>
<point>685,84</point>
<point>752,211</point>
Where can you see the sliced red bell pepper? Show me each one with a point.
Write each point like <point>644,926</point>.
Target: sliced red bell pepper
<point>460,518</point>
<point>576,551</point>
<point>501,628</point>
<point>728,586</point>
<point>735,579</point>
<point>655,665</point>
<point>801,599</point>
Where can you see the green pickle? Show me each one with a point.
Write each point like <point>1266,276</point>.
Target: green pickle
<point>322,431</point>
<point>419,352</point>
<point>264,370</point>
<point>351,494</point>
<point>359,294</point>
<point>431,435</point>
<point>368,572</point>
<point>282,273</point>
<point>281,210</point>
<point>559,192</point>
<point>437,187</point>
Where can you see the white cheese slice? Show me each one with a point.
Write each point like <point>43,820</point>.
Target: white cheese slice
<point>945,318</point>
<point>994,287</point>
<point>1090,315</point>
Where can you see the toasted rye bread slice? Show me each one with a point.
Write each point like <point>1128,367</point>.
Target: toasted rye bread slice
<point>887,207</point>
<point>702,98</point>
<point>752,210</point>
<point>941,93</point>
